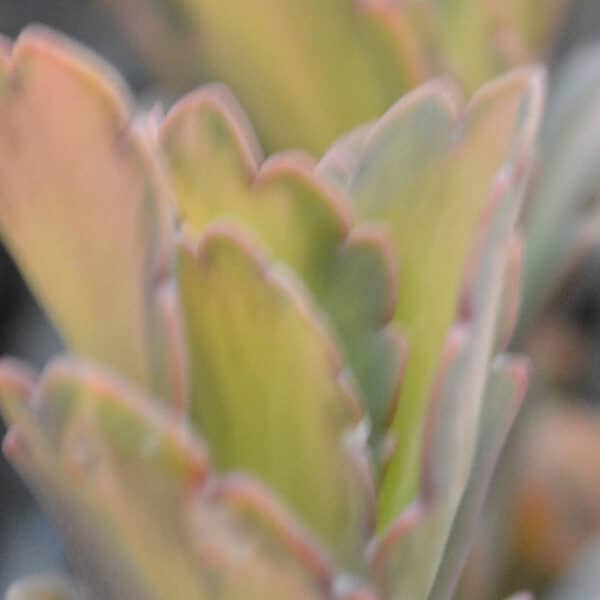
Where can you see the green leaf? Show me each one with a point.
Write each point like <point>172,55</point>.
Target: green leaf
<point>435,533</point>
<point>463,30</point>
<point>252,333</point>
<point>131,489</point>
<point>404,558</point>
<point>427,174</point>
<point>475,40</point>
<point>294,63</point>
<point>510,302</point>
<point>340,161</point>
<point>81,202</point>
<point>251,548</point>
<point>505,390</point>
<point>213,159</point>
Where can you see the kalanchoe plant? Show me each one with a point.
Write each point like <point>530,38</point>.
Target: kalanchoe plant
<point>293,63</point>
<point>557,441</point>
<point>288,379</point>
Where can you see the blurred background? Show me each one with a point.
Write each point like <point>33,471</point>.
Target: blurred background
<point>548,489</point>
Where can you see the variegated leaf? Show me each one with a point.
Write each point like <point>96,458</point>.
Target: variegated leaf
<point>300,59</point>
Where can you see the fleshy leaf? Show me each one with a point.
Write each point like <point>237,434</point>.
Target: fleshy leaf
<point>413,538</point>
<point>295,64</point>
<point>463,33</point>
<point>446,507</point>
<point>435,533</point>
<point>300,59</point>
<point>504,394</point>
<point>212,155</point>
<point>123,480</point>
<point>240,535</point>
<point>80,202</point>
<point>474,40</point>
<point>251,333</point>
<point>339,163</point>
<point>213,161</point>
<point>511,294</point>
<point>428,174</point>
<point>457,409</point>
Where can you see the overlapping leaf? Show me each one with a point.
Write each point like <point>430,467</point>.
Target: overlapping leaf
<point>478,39</point>
<point>309,72</point>
<point>463,436</point>
<point>131,488</point>
<point>285,305</point>
<point>267,389</point>
<point>81,205</point>
<point>298,60</point>
<point>213,161</point>
<point>427,174</point>
<point>504,394</point>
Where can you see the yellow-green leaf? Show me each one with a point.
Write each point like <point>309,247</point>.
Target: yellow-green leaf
<point>267,388</point>
<point>80,202</point>
<point>131,491</point>
<point>423,553</point>
<point>213,161</point>
<point>427,174</point>
<point>504,393</point>
<point>295,64</point>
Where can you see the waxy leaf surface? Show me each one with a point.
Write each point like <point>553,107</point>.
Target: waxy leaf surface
<point>300,59</point>
<point>436,532</point>
<point>504,393</point>
<point>129,485</point>
<point>267,389</point>
<point>427,173</point>
<point>213,161</point>
<point>80,202</point>
<point>296,64</point>
<point>452,456</point>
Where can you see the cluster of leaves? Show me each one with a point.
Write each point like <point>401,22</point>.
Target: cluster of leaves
<point>558,440</point>
<point>290,380</point>
<point>379,49</point>
<point>309,71</point>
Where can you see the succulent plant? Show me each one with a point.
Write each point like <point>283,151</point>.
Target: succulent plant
<point>547,492</point>
<point>309,71</point>
<point>287,378</point>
